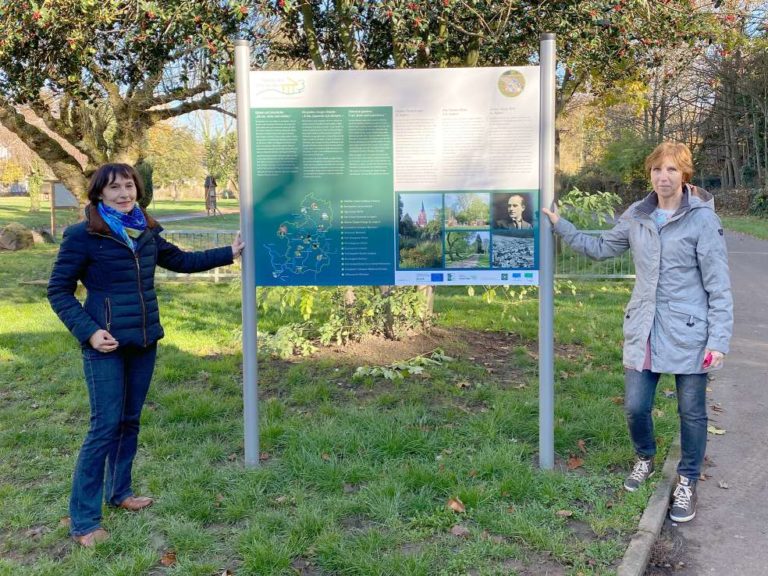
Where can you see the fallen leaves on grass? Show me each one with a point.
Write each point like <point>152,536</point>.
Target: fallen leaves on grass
<point>564,513</point>
<point>618,400</point>
<point>456,505</point>
<point>460,531</point>
<point>574,462</point>
<point>168,559</point>
<point>582,446</point>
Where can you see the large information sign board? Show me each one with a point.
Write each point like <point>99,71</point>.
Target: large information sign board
<point>396,176</point>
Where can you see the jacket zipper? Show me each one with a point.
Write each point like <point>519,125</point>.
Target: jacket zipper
<point>141,297</point>
<point>108,313</point>
<point>138,283</point>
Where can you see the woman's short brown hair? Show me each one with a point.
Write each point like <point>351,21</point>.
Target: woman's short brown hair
<point>679,153</point>
<point>106,174</point>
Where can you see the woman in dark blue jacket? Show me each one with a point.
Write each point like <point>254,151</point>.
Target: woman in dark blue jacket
<point>114,253</point>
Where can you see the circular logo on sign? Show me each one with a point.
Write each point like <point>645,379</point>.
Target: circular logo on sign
<point>511,83</point>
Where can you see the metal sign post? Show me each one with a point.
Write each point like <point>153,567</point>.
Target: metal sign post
<point>547,255</point>
<point>329,215</point>
<point>250,318</point>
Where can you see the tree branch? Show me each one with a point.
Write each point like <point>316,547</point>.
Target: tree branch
<point>156,115</point>
<point>223,111</point>
<point>62,163</point>
<point>180,94</point>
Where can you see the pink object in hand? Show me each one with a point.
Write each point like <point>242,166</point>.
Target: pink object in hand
<point>708,360</point>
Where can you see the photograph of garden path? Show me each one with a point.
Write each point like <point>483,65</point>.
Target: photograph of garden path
<point>415,456</point>
<point>467,249</point>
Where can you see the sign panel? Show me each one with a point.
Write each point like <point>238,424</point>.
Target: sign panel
<point>62,197</point>
<point>396,176</point>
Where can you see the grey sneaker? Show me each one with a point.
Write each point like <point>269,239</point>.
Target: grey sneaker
<point>642,470</point>
<point>683,501</point>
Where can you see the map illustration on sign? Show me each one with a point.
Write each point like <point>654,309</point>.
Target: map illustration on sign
<point>301,244</point>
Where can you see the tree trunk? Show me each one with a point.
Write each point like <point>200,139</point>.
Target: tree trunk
<point>308,21</point>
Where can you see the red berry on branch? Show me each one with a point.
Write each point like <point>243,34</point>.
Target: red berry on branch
<point>36,15</point>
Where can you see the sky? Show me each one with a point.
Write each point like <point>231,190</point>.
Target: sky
<point>412,204</point>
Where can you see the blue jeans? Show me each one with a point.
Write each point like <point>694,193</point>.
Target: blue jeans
<point>117,387</point>
<point>639,392</point>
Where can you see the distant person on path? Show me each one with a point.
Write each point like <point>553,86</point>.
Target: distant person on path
<point>679,319</point>
<point>114,253</point>
<point>512,213</point>
<point>210,195</point>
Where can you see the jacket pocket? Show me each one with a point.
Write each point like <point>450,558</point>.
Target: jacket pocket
<point>687,325</point>
<point>633,322</point>
<point>107,314</point>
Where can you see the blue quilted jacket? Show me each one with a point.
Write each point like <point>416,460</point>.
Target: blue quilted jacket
<point>120,284</point>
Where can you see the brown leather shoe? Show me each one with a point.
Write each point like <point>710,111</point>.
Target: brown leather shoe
<point>92,538</point>
<point>136,503</point>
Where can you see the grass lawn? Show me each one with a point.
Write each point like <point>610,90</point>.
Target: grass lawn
<point>178,207</point>
<point>752,225</point>
<point>16,209</point>
<point>357,474</point>
<point>225,222</point>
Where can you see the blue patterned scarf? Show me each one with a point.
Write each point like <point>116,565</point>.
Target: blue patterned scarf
<point>126,226</point>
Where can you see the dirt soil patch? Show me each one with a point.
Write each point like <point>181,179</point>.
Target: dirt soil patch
<point>489,349</point>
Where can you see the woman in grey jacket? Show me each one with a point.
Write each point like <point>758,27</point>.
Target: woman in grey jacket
<point>680,316</point>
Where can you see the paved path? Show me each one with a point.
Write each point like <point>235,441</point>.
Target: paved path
<point>729,535</point>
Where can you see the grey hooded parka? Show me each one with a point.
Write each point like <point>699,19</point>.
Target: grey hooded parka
<point>681,303</point>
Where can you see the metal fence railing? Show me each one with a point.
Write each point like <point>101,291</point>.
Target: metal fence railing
<point>201,240</point>
<point>568,264</point>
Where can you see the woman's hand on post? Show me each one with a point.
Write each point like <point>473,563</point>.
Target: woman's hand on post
<point>553,216</point>
<point>102,341</point>
<point>237,246</point>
